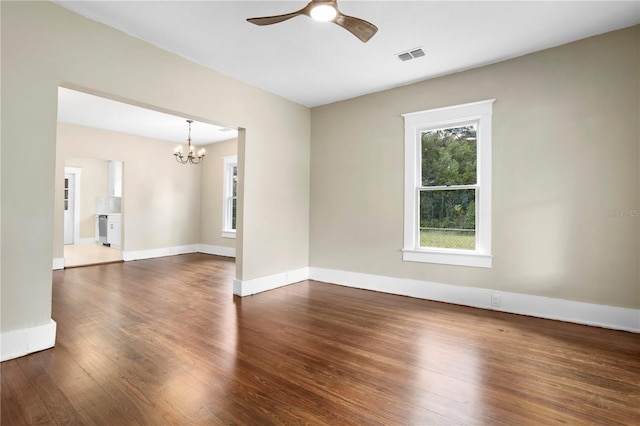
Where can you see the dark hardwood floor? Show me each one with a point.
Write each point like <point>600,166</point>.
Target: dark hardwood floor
<point>164,341</point>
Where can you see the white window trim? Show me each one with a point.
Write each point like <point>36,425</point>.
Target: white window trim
<point>228,164</point>
<point>414,124</point>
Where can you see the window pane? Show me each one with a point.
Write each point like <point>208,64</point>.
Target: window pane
<point>233,213</point>
<point>449,156</point>
<point>448,219</point>
<point>234,181</point>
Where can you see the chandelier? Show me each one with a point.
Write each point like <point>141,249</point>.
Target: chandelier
<point>191,155</point>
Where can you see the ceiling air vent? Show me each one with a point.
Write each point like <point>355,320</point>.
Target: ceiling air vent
<point>411,54</point>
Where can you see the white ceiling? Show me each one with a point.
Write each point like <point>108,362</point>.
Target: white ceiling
<point>93,111</point>
<point>315,63</point>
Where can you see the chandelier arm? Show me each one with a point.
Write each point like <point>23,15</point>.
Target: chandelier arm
<point>180,158</point>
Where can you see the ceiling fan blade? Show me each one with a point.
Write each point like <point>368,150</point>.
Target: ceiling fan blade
<point>358,27</point>
<point>268,20</point>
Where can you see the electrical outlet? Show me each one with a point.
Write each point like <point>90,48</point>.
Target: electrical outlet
<point>495,300</point>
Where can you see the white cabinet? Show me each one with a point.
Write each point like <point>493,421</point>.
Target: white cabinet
<point>109,230</point>
<point>115,179</point>
<point>114,231</point>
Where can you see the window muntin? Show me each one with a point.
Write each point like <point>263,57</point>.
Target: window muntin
<point>448,203</point>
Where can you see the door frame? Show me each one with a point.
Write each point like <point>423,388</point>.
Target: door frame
<point>77,173</point>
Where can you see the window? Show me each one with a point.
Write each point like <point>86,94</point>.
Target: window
<point>230,191</point>
<point>447,192</point>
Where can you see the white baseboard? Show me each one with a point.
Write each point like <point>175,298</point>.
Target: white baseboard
<point>18,343</point>
<point>258,285</point>
<point>543,307</point>
<point>58,263</point>
<point>172,251</point>
<point>612,317</point>
<point>217,250</point>
<point>160,252</point>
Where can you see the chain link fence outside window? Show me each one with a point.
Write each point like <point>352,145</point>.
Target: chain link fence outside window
<point>464,239</point>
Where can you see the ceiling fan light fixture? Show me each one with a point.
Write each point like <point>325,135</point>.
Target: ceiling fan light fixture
<point>323,12</point>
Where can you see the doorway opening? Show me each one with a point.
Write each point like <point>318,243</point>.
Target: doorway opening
<point>170,207</point>
<point>92,191</point>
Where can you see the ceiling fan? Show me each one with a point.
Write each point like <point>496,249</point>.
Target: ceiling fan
<point>325,11</point>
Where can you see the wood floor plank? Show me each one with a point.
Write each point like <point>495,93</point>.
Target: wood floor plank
<point>88,396</point>
<point>19,400</point>
<point>58,406</point>
<point>163,341</point>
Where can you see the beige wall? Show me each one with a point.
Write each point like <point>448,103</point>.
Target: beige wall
<point>212,187</point>
<point>565,153</point>
<point>44,46</point>
<point>93,183</point>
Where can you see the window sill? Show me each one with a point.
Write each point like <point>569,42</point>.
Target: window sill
<point>228,234</point>
<point>448,257</point>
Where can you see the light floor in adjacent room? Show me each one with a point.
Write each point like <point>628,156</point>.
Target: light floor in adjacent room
<point>89,254</point>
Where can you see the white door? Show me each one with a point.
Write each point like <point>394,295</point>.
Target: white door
<point>69,207</point>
